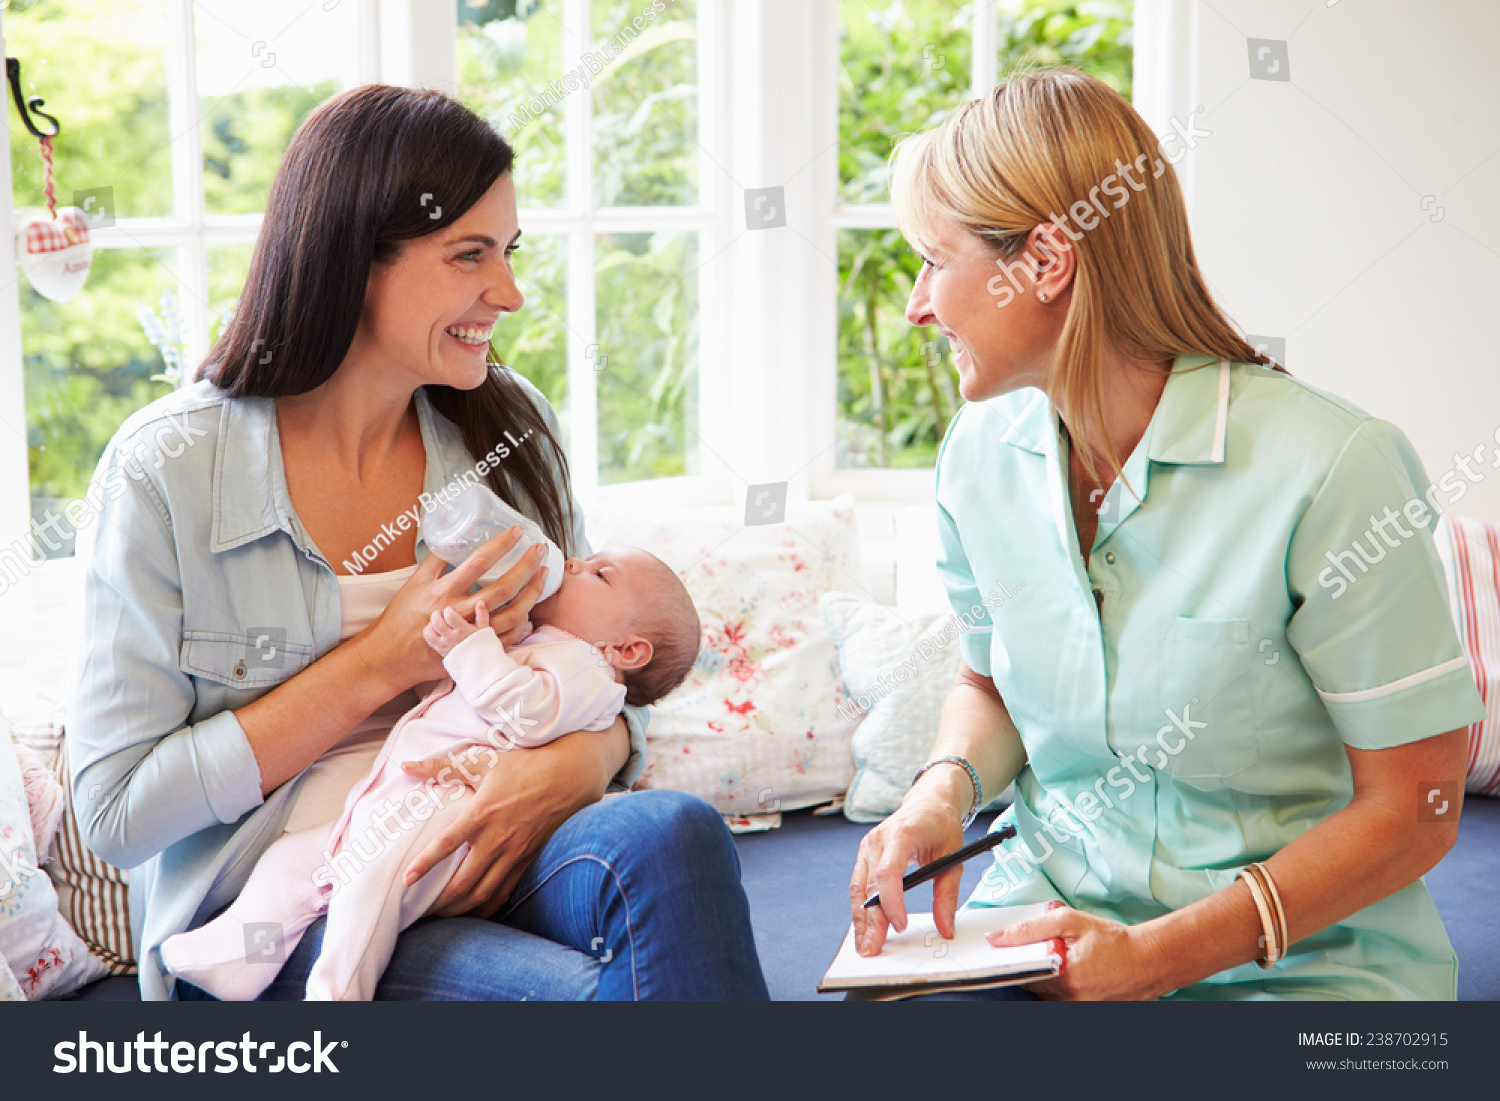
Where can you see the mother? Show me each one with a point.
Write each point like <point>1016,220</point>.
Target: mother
<point>1227,651</point>
<point>255,602</point>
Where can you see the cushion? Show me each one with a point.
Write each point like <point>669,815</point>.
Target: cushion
<point>755,729</point>
<point>43,957</point>
<point>1470,550</point>
<point>897,675</point>
<point>92,895</point>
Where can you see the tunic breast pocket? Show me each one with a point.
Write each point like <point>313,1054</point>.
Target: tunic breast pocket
<point>1209,733</point>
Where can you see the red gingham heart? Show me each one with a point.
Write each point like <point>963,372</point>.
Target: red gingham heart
<point>70,228</point>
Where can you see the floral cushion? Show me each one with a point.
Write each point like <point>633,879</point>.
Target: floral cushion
<point>756,727</point>
<point>94,896</point>
<point>42,956</point>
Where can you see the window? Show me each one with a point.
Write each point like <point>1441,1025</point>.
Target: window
<point>688,355</point>
<point>600,101</point>
<point>903,67</point>
<point>174,116</point>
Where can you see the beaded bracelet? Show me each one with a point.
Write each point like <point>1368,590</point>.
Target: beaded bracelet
<point>973,779</point>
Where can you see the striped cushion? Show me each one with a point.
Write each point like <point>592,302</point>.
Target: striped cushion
<point>1470,550</point>
<point>92,896</point>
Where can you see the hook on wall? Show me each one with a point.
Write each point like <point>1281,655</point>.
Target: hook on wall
<point>28,107</point>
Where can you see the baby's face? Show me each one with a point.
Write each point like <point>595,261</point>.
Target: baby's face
<point>598,597</point>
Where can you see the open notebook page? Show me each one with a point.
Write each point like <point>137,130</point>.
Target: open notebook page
<point>922,952</point>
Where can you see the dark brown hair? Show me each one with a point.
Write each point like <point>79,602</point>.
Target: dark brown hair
<point>670,622</point>
<point>364,173</point>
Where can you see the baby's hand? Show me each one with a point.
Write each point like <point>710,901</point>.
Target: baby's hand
<point>446,629</point>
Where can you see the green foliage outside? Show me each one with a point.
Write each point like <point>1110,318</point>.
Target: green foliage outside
<point>244,136</point>
<point>904,68</point>
<point>101,69</point>
<point>88,364</point>
<point>645,153</point>
<point>508,52</point>
<point>647,288</point>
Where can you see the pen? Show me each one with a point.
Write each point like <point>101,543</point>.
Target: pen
<point>952,860</point>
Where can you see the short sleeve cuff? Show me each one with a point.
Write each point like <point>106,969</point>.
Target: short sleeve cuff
<point>636,720</point>
<point>226,766</point>
<point>1416,707</point>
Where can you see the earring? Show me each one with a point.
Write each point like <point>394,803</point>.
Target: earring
<point>1040,297</point>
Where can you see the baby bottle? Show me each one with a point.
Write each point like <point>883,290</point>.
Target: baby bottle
<point>455,527</point>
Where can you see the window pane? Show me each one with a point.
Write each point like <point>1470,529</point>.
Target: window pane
<point>903,66</point>
<point>90,364</point>
<point>100,66</point>
<point>261,68</point>
<point>509,70</point>
<point>227,268</point>
<point>647,303</point>
<point>645,103</point>
<point>535,340</point>
<point>1096,36</point>
<point>896,381</point>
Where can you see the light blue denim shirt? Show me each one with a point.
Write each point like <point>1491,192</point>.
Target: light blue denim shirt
<point>199,557</point>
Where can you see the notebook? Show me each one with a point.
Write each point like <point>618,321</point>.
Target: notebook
<point>920,961</point>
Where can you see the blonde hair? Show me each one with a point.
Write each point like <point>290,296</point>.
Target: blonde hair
<point>1030,151</point>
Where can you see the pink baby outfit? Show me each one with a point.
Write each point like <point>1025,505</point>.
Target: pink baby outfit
<point>548,685</point>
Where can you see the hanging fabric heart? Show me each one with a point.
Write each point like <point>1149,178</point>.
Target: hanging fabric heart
<point>56,253</point>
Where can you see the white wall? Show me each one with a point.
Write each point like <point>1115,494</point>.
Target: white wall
<point>1307,199</point>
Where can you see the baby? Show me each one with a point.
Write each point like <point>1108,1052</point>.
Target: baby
<point>620,629</point>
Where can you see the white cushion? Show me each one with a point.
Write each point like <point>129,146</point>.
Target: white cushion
<point>897,674</point>
<point>755,728</point>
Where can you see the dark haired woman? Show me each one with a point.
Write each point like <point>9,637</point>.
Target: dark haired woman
<point>245,654</point>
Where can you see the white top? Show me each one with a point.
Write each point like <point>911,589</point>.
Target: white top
<point>320,801</point>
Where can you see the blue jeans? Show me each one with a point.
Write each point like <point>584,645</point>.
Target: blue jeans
<point>636,897</point>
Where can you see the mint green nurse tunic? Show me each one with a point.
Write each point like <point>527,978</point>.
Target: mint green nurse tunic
<point>1268,594</point>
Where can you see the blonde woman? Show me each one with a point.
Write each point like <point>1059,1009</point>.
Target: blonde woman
<point>1229,693</point>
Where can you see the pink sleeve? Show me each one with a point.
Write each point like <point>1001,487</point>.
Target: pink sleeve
<point>537,693</point>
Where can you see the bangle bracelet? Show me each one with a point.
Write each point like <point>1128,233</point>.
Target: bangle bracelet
<point>1273,903</point>
<point>1267,922</point>
<point>1277,910</point>
<point>973,779</point>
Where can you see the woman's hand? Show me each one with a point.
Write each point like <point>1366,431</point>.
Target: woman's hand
<point>1102,959</point>
<point>394,647</point>
<point>924,829</point>
<point>520,798</point>
<point>974,726</point>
